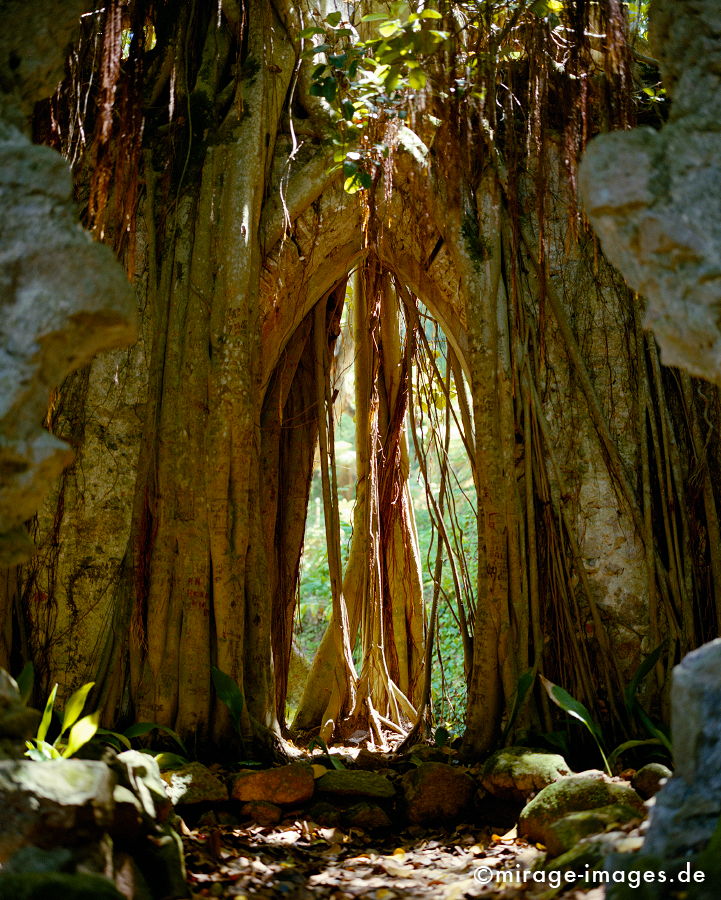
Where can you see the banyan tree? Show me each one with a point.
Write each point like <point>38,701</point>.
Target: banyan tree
<point>253,164</point>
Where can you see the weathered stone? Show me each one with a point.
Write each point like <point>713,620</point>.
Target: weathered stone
<point>649,779</point>
<point>355,783</point>
<point>369,761</point>
<point>574,793</point>
<point>32,59</point>
<point>515,773</point>
<point>62,299</point>
<point>565,833</point>
<point>654,196</point>
<point>127,813</point>
<point>42,886</point>
<point>590,851</point>
<point>18,722</point>
<point>162,863</point>
<point>34,859</point>
<point>139,772</point>
<point>326,814</point>
<point>62,800</point>
<point>283,785</point>
<point>688,807</point>
<point>194,783</point>
<point>62,296</point>
<point>262,812</point>
<point>368,816</point>
<point>436,792</point>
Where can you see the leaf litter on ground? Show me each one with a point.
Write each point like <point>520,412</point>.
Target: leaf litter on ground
<point>301,860</point>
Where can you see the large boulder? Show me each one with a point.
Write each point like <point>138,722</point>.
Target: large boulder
<point>436,792</point>
<point>574,793</point>
<point>139,773</point>
<point>687,809</point>
<point>60,885</point>
<point>515,773</point>
<point>60,801</point>
<point>284,785</point>
<point>349,783</point>
<point>194,783</point>
<point>654,197</point>
<point>63,297</point>
<point>565,833</point>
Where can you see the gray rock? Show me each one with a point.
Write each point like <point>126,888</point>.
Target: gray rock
<point>139,773</point>
<point>355,783</point>
<point>194,783</point>
<point>515,773</point>
<point>33,859</point>
<point>18,722</point>
<point>655,197</point>
<point>436,792</point>
<point>62,299</point>
<point>564,834</point>
<point>650,778</point>
<point>590,852</point>
<point>688,807</point>
<point>574,793</point>
<point>59,801</point>
<point>57,886</point>
<point>162,862</point>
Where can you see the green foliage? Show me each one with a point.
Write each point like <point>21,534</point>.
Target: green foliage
<point>659,739</point>
<point>319,743</point>
<point>228,691</point>
<point>362,80</point>
<point>25,681</point>
<point>74,731</point>
<point>633,706</point>
<point>122,740</point>
<point>523,689</point>
<point>576,709</point>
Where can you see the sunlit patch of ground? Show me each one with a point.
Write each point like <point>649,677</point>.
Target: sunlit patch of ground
<point>299,860</point>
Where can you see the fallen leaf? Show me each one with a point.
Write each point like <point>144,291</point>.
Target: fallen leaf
<point>395,869</point>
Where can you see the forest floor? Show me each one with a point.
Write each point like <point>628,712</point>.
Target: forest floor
<point>299,860</point>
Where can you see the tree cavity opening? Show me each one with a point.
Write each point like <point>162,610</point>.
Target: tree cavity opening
<point>384,600</point>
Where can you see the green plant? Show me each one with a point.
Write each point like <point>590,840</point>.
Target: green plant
<point>523,688</point>
<point>120,740</point>
<point>633,706</point>
<point>229,693</point>
<point>320,743</point>
<point>636,712</point>
<point>25,681</point>
<point>363,80</point>
<point>576,709</point>
<point>74,731</point>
